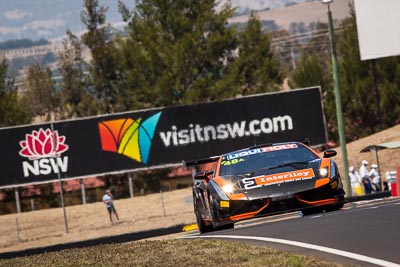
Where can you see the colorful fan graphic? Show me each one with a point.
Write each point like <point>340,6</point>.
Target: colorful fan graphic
<point>131,138</point>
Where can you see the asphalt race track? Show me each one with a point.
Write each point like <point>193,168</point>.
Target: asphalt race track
<point>365,235</point>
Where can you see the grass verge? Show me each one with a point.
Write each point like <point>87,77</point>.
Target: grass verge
<point>195,252</point>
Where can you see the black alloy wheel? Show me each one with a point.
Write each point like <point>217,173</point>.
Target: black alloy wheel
<point>215,215</point>
<point>203,228</point>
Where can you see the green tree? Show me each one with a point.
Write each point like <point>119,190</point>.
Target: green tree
<point>176,51</point>
<point>256,65</point>
<point>360,111</point>
<point>75,98</point>
<point>357,83</point>
<point>388,82</point>
<point>21,43</point>
<point>297,27</point>
<point>309,72</point>
<point>12,111</point>
<point>40,96</point>
<point>105,57</point>
<point>313,70</point>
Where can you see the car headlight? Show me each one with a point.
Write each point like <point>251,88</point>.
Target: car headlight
<point>228,188</point>
<point>333,171</point>
<point>323,172</point>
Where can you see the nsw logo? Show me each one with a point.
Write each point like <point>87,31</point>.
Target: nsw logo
<point>43,148</point>
<point>131,138</point>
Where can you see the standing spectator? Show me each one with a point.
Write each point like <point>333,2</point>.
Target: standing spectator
<point>364,174</point>
<point>355,181</point>
<point>374,175</point>
<point>108,200</point>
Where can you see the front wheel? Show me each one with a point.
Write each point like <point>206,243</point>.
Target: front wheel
<point>334,207</point>
<point>214,216</point>
<point>203,228</point>
<point>337,206</point>
<point>312,210</point>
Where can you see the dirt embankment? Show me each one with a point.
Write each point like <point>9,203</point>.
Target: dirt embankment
<point>389,159</point>
<point>46,227</point>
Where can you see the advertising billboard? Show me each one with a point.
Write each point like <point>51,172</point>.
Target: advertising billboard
<point>377,27</point>
<point>156,138</point>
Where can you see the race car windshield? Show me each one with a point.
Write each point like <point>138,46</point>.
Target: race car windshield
<point>254,160</point>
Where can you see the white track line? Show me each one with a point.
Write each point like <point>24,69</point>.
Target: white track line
<point>308,246</point>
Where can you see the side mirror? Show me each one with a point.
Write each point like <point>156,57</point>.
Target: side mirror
<point>329,153</point>
<point>202,175</point>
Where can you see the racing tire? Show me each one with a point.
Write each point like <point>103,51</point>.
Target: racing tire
<point>312,211</point>
<point>214,214</point>
<point>336,206</point>
<point>203,228</point>
<point>226,226</point>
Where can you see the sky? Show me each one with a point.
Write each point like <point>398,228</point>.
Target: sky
<point>50,19</point>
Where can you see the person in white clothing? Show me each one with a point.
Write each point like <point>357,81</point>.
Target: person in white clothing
<point>355,180</point>
<point>108,200</point>
<point>374,175</point>
<point>363,171</point>
<point>364,174</point>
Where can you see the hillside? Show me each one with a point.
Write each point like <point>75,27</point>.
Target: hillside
<point>51,19</point>
<point>306,13</point>
<point>389,159</point>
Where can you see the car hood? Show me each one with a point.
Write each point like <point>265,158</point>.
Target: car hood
<point>278,182</point>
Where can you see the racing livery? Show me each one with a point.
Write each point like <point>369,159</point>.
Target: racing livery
<point>264,180</point>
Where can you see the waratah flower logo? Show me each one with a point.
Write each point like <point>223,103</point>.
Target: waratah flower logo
<point>43,144</point>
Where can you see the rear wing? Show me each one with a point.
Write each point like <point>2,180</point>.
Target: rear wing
<point>196,162</point>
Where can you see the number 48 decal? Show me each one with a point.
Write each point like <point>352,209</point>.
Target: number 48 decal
<point>231,162</point>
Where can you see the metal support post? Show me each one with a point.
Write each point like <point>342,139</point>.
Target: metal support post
<point>131,186</point>
<point>61,188</point>
<point>83,191</point>
<point>338,101</point>
<point>17,200</point>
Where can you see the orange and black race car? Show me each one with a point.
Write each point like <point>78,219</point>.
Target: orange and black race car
<point>264,180</point>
